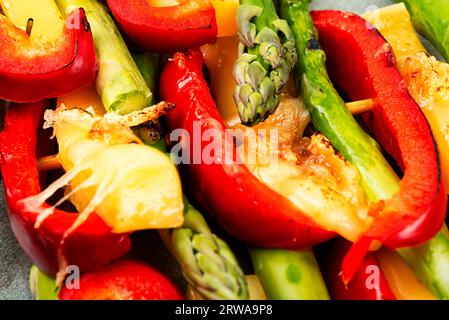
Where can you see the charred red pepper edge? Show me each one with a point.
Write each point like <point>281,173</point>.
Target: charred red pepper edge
<point>24,78</point>
<point>91,246</point>
<point>362,63</point>
<point>243,205</point>
<point>190,24</point>
<point>369,282</point>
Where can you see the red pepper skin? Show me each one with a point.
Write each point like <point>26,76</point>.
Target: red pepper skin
<point>26,78</point>
<point>123,280</point>
<point>91,246</point>
<point>362,63</point>
<point>361,287</point>
<point>243,205</point>
<point>190,24</point>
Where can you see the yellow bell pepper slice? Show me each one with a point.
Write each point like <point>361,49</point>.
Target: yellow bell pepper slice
<point>225,11</point>
<point>219,59</point>
<point>401,279</point>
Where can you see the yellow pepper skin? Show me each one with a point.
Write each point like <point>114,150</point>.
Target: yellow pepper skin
<point>225,11</point>
<point>401,279</point>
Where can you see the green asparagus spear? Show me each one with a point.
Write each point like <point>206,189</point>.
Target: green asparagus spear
<point>289,275</point>
<point>148,65</point>
<point>119,83</point>
<point>328,111</point>
<point>431,18</point>
<point>331,117</point>
<point>266,56</point>
<point>42,286</point>
<point>206,260</point>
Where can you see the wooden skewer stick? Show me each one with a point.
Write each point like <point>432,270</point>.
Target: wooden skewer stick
<point>356,107</point>
<point>49,163</point>
<point>361,106</point>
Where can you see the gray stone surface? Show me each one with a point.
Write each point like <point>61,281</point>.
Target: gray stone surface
<point>358,6</point>
<point>14,264</point>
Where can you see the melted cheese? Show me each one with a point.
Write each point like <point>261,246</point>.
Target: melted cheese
<point>130,186</point>
<point>306,171</point>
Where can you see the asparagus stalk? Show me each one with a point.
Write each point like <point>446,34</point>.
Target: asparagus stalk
<point>150,133</point>
<point>42,286</point>
<point>431,18</point>
<point>148,65</point>
<point>288,275</point>
<point>330,116</point>
<point>266,56</point>
<point>119,83</point>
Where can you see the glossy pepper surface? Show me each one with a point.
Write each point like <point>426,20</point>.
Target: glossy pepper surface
<point>188,24</point>
<point>243,205</point>
<point>369,283</point>
<point>91,246</point>
<point>31,71</point>
<point>123,280</point>
<point>364,67</point>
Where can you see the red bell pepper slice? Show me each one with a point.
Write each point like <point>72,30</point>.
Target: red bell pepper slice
<point>31,73</point>
<point>123,280</point>
<point>243,205</point>
<point>369,282</point>
<point>189,24</point>
<point>91,246</point>
<point>362,63</point>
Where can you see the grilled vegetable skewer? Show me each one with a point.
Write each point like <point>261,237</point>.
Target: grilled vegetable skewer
<point>408,218</point>
<point>380,181</point>
<point>222,82</point>
<point>207,261</point>
<point>326,106</point>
